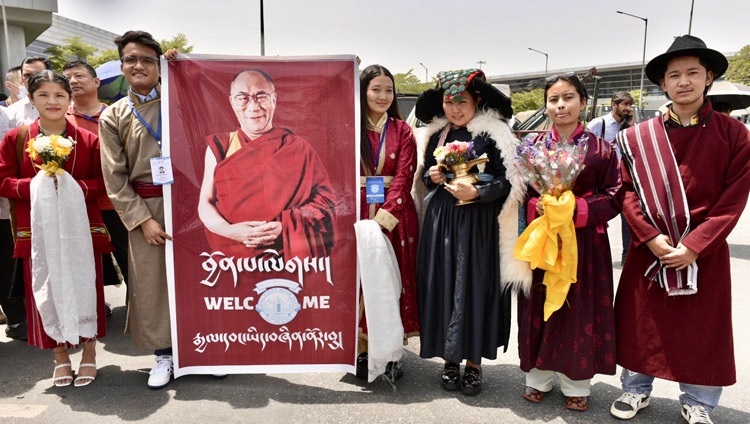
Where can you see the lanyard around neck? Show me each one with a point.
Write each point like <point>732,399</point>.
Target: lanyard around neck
<point>376,159</point>
<point>155,134</point>
<point>92,118</point>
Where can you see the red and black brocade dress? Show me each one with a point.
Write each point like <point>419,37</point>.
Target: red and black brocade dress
<point>578,340</point>
<point>399,161</point>
<point>84,164</point>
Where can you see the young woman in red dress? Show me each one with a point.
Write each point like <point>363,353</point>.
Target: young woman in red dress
<point>50,93</point>
<point>388,149</point>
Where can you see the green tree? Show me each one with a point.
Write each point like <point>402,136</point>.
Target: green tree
<point>409,83</point>
<point>73,49</point>
<point>179,42</point>
<point>103,57</point>
<point>527,100</point>
<point>739,67</point>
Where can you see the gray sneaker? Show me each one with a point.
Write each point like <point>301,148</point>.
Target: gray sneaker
<point>627,405</point>
<point>695,415</point>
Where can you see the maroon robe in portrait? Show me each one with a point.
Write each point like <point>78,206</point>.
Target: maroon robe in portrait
<point>578,340</point>
<point>687,338</point>
<point>276,177</point>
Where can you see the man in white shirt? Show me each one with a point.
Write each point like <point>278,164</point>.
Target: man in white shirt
<point>621,117</point>
<point>22,112</point>
<point>14,85</point>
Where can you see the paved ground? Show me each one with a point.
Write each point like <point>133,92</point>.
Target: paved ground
<point>120,395</point>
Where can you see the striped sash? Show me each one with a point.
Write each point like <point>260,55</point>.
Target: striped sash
<point>648,155</point>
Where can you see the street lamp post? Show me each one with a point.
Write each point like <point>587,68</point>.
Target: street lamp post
<point>546,59</point>
<point>262,32</point>
<point>425,72</point>
<point>5,27</point>
<point>481,62</point>
<point>643,64</point>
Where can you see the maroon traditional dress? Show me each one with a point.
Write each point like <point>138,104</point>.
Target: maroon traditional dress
<point>687,338</point>
<point>84,165</point>
<point>276,177</point>
<point>398,162</point>
<point>578,340</point>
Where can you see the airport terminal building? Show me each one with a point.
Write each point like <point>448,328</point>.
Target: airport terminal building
<point>611,78</point>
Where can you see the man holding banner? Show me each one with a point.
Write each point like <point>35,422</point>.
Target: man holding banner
<point>248,202</point>
<point>130,137</point>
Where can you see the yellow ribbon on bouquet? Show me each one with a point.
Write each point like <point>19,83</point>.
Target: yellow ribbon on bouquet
<point>549,243</point>
<point>52,167</point>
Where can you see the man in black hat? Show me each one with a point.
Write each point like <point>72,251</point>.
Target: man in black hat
<point>686,177</point>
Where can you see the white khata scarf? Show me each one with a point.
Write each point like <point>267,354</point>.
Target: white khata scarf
<point>62,259</point>
<point>381,289</point>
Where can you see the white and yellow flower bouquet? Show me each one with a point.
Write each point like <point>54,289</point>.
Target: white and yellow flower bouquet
<point>54,151</point>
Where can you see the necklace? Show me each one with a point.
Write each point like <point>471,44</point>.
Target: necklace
<point>45,132</point>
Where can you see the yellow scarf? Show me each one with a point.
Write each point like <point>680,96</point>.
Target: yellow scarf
<point>549,243</point>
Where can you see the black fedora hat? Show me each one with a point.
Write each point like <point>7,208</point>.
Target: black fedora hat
<point>686,45</point>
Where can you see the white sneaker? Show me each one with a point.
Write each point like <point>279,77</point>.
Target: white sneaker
<point>695,415</point>
<point>627,405</point>
<point>161,373</point>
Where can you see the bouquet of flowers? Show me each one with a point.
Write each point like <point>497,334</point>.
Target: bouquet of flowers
<point>551,167</point>
<point>460,157</point>
<point>549,242</point>
<point>455,152</point>
<point>54,151</point>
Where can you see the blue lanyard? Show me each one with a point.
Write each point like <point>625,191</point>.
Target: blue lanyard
<point>156,135</point>
<point>376,159</point>
<point>91,118</point>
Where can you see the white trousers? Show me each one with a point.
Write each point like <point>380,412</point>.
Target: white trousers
<point>543,381</point>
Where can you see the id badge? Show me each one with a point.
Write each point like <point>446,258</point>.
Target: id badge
<point>375,190</point>
<point>161,170</point>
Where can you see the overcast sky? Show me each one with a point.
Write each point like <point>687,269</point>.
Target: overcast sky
<point>400,34</point>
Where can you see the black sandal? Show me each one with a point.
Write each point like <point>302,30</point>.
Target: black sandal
<point>472,382</point>
<point>451,376</point>
<point>362,366</point>
<point>393,370</point>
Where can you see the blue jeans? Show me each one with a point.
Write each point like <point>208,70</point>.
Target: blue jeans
<point>692,394</point>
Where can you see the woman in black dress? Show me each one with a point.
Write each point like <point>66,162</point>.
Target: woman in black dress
<point>465,262</point>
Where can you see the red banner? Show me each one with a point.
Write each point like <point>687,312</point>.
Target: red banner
<point>262,269</point>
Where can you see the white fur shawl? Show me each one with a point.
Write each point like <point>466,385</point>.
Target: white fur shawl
<point>513,272</point>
